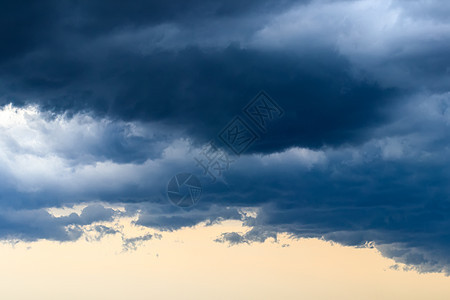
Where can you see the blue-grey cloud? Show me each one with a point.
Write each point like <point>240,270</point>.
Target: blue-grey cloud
<point>31,225</point>
<point>131,244</point>
<point>110,100</point>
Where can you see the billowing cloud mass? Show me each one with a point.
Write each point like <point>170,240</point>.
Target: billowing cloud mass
<point>102,103</point>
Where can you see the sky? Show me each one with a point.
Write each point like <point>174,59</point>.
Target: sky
<point>251,149</point>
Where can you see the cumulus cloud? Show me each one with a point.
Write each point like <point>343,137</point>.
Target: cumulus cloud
<point>61,159</point>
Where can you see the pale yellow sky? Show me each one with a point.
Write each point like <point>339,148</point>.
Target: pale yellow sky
<point>188,264</point>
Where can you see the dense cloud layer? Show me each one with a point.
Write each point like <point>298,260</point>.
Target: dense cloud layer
<point>109,100</point>
<point>146,68</point>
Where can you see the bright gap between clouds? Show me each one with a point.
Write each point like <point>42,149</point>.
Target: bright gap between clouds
<point>83,155</point>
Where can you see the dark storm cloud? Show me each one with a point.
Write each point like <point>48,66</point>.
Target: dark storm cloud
<point>169,218</point>
<point>193,89</point>
<point>85,64</point>
<point>368,92</point>
<point>31,225</point>
<point>392,190</point>
<point>25,27</point>
<point>104,15</point>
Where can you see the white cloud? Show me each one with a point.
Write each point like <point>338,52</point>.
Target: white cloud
<point>69,156</point>
<point>376,36</point>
